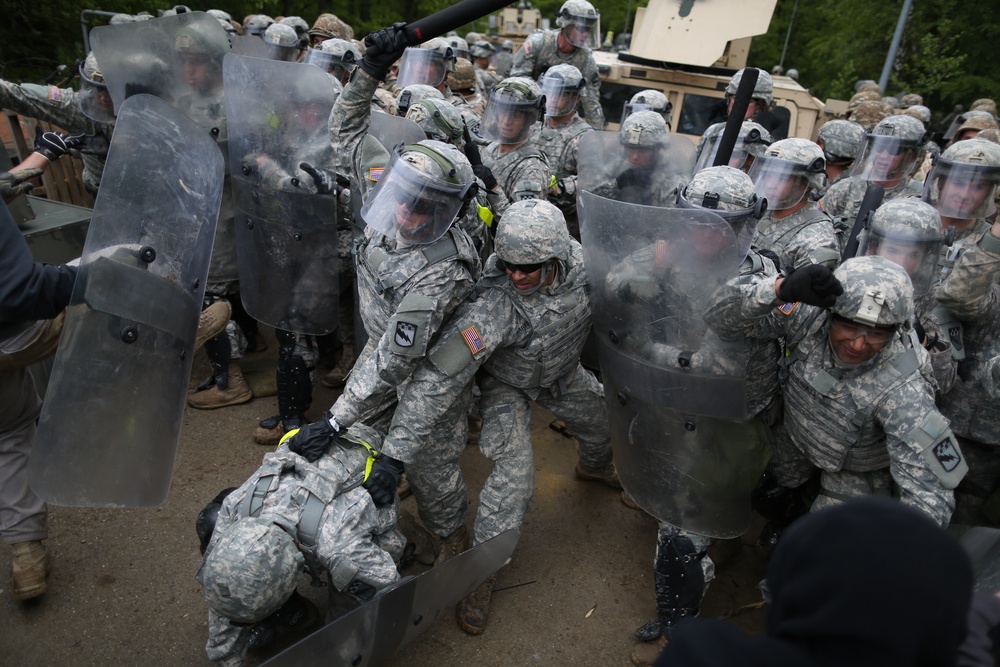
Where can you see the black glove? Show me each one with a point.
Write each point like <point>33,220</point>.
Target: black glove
<point>635,178</point>
<point>53,145</point>
<point>327,181</point>
<point>383,48</point>
<point>312,440</point>
<point>13,184</point>
<point>814,285</point>
<point>485,174</point>
<point>383,480</point>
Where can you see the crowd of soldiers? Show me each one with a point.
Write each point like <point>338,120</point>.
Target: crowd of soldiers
<point>762,327</point>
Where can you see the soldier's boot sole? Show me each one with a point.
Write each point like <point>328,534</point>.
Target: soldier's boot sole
<point>30,565</point>
<point>473,612</point>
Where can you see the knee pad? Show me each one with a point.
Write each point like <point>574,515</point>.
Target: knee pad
<point>679,579</point>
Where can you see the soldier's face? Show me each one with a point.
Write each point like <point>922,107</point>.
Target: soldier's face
<point>196,72</point>
<point>906,255</point>
<point>887,160</point>
<point>960,192</point>
<point>640,157</point>
<point>511,125</point>
<point>525,277</point>
<point>854,343</point>
<point>103,99</point>
<point>412,216</point>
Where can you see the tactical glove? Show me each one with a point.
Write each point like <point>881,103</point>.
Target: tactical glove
<point>312,440</point>
<point>327,181</point>
<point>814,285</point>
<point>383,479</point>
<point>13,184</point>
<point>485,174</point>
<point>383,48</point>
<point>53,145</point>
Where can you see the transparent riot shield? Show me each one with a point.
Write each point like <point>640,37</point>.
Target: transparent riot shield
<point>110,425</point>
<point>675,390</point>
<point>286,233</point>
<point>171,57</point>
<point>371,634</point>
<point>649,175</point>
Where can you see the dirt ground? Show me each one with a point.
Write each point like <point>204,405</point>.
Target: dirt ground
<point>579,584</point>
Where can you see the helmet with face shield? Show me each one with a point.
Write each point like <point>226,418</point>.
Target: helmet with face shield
<point>908,232</point>
<point>439,120</point>
<point>890,149</point>
<point>787,171</point>
<point>412,94</point>
<point>841,141</point>
<point>730,194</point>
<point>459,46</point>
<point>283,42</point>
<point>95,100</point>
<point>649,100</point>
<point>561,86</point>
<point>580,23</point>
<point>481,49</point>
<point>335,56</point>
<point>763,90</point>
<point>424,190</point>
<point>751,143</point>
<point>301,28</point>
<point>513,108</point>
<point>963,182</point>
<point>428,64</point>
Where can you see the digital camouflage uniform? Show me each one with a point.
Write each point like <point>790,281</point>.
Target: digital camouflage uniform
<point>842,201</point>
<point>867,426</point>
<point>803,238</point>
<point>561,145</point>
<point>355,540</point>
<point>522,173</point>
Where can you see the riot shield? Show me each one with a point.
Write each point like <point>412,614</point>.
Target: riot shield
<point>371,634</point>
<point>286,233</point>
<point>648,175</point>
<point>675,390</point>
<point>171,57</point>
<point>110,425</point>
<point>250,45</point>
<point>983,546</point>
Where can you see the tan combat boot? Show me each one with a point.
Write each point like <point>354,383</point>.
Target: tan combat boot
<point>644,654</point>
<point>269,432</point>
<point>453,545</point>
<point>474,610</point>
<point>237,391</point>
<point>337,377</point>
<point>212,322</point>
<point>606,475</point>
<point>30,565</point>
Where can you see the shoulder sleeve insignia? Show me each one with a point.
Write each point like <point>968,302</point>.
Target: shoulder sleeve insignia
<point>788,308</point>
<point>55,94</point>
<point>472,339</point>
<point>526,47</point>
<point>375,173</point>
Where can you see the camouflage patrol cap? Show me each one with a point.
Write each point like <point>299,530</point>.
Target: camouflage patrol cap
<point>865,96</point>
<point>841,140</point>
<point>720,188</point>
<point>868,114</point>
<point>481,49</point>
<point>977,120</point>
<point>414,93</point>
<point>920,112</point>
<point>251,570</point>
<point>644,129</point>
<point>764,90</point>
<point>256,24</point>
<point>868,85</point>
<point>985,104</point>
<point>463,78</point>
<point>893,102</point>
<point>532,231</point>
<point>877,292</point>
<point>328,26</point>
<point>910,99</point>
<point>438,119</point>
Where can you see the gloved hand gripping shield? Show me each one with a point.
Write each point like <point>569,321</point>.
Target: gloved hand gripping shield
<point>286,228</point>
<point>110,425</point>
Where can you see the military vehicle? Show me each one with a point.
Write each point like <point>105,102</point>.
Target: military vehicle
<point>688,50</point>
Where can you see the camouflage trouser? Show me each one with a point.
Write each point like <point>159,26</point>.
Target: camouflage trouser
<point>22,513</point>
<point>506,441</point>
<point>226,291</point>
<point>435,476</point>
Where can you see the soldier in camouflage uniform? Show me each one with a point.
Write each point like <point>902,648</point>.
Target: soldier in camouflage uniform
<point>519,167</point>
<point>793,228</point>
<point>859,399</point>
<point>525,330</point>
<point>558,137</point>
<point>482,55</point>
<point>431,64</point>
<point>89,111</point>
<point>463,83</point>
<point>751,143</point>
<point>503,61</point>
<point>328,26</point>
<point>760,101</point>
<point>571,43</point>
<point>841,142</point>
<point>869,113</point>
<point>649,100</point>
<point>290,517</point>
<point>336,57</point>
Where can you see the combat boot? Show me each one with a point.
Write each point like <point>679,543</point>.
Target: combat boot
<point>269,432</point>
<point>474,610</point>
<point>644,654</point>
<point>233,390</point>
<point>30,565</point>
<point>337,377</point>
<point>453,545</point>
<point>212,322</point>
<point>606,475</point>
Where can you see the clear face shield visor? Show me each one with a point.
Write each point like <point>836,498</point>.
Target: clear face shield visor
<point>329,63</point>
<point>747,146</point>
<point>413,207</point>
<point>918,256</point>
<point>508,120</point>
<point>743,223</point>
<point>962,191</point>
<point>781,182</point>
<point>424,66</point>
<point>288,54</point>
<point>95,100</point>
<point>629,108</point>
<point>885,159</point>
<point>583,31</point>
<point>560,100</point>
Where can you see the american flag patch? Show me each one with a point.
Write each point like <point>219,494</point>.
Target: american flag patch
<point>375,173</point>
<point>660,253</point>
<point>787,308</point>
<point>473,340</point>
<point>55,94</point>
<point>526,46</point>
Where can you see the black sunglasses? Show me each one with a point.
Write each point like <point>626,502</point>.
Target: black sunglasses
<point>523,268</point>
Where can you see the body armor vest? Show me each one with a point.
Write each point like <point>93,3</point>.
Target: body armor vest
<point>782,231</point>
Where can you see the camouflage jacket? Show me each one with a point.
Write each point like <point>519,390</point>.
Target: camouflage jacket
<point>522,173</point>
<point>842,201</point>
<point>803,238</point>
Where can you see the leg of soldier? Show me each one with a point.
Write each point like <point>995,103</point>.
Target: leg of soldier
<point>682,571</point>
<point>839,487</point>
<point>247,325</point>
<point>436,480</point>
<point>23,518</point>
<point>226,386</point>
<point>296,367</point>
<point>779,497</point>
<point>338,374</point>
<point>578,400</point>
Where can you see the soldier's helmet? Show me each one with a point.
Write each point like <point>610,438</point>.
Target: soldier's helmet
<point>251,570</point>
<point>841,141</point>
<point>920,112</point>
<point>428,64</point>
<point>561,86</point>
<point>985,104</point>
<point>649,100</point>
<point>990,135</point>
<point>326,26</point>
<point>763,91</point>
<point>472,37</point>
<point>424,190</point>
<point>513,107</point>
<point>580,23</point>
<point>890,149</point>
<point>751,143</point>
<point>335,56</point>
<point>414,93</point>
<point>730,194</point>
<point>532,233</point>
<point>787,170</point>
<point>95,100</point>
<point>459,46</point>
<point>119,19</point>
<point>877,292</point>
<point>963,182</point>
<point>908,232</point>
<point>891,101</point>
<point>909,99</point>
<point>282,42</point>
<point>439,120</point>
<point>870,113</point>
<point>220,14</point>
<point>507,45</point>
<point>198,42</point>
<point>301,28</point>
<point>644,129</point>
<point>463,79</point>
<point>481,49</point>
<point>867,85</point>
<point>978,120</point>
<point>257,24</point>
